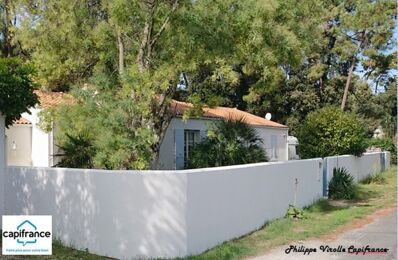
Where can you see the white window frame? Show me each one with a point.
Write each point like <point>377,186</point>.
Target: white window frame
<point>187,145</point>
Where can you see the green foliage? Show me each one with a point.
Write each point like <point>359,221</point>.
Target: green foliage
<point>76,152</point>
<point>252,78</point>
<point>67,42</point>
<point>341,186</point>
<point>16,89</point>
<point>228,143</point>
<point>261,56</point>
<point>377,178</point>
<point>295,213</point>
<point>329,131</point>
<point>386,144</point>
<point>116,124</point>
<point>387,104</point>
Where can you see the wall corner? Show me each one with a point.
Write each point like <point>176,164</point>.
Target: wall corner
<point>2,165</point>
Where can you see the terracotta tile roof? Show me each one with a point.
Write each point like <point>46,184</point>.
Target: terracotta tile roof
<point>47,100</point>
<point>179,108</point>
<point>22,121</point>
<point>52,99</point>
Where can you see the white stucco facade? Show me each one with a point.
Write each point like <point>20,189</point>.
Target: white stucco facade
<point>167,154</point>
<point>29,145</point>
<point>19,145</point>
<point>274,141</point>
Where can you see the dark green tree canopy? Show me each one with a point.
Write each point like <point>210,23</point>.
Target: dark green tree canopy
<point>261,56</point>
<point>16,89</point>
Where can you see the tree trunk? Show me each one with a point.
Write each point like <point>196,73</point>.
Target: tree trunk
<point>364,39</point>
<point>7,51</point>
<point>141,50</point>
<point>347,84</point>
<point>161,110</point>
<point>149,39</point>
<point>121,51</point>
<point>144,48</point>
<point>162,121</point>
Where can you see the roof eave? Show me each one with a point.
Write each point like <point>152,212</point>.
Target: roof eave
<point>218,118</point>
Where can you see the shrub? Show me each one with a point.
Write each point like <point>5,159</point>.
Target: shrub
<point>341,186</point>
<point>229,142</point>
<point>295,213</point>
<point>330,131</point>
<point>77,152</point>
<point>16,89</point>
<point>386,144</point>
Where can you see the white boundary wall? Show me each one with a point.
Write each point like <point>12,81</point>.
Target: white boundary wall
<point>2,164</point>
<point>112,213</point>
<point>149,214</point>
<point>359,167</point>
<point>133,214</point>
<point>387,160</point>
<point>228,202</point>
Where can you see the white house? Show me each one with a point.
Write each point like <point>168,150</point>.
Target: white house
<point>181,136</point>
<point>28,145</point>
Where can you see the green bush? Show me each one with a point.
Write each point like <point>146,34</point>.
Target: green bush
<point>16,89</point>
<point>295,213</point>
<point>342,185</point>
<point>228,143</point>
<point>330,131</point>
<point>386,144</point>
<point>76,152</point>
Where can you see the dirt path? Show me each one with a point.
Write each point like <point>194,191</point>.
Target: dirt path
<point>378,230</point>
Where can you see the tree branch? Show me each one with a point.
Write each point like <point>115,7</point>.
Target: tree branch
<point>120,45</point>
<point>140,60</point>
<point>165,22</point>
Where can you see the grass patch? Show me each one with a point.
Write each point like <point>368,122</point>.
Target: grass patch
<point>378,178</point>
<point>322,218</point>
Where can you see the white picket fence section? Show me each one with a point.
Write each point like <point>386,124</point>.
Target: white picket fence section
<point>151,214</point>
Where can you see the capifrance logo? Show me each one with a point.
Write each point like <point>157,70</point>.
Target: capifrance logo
<point>27,235</point>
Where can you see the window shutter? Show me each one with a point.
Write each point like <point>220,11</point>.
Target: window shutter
<point>274,147</point>
<point>179,148</point>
